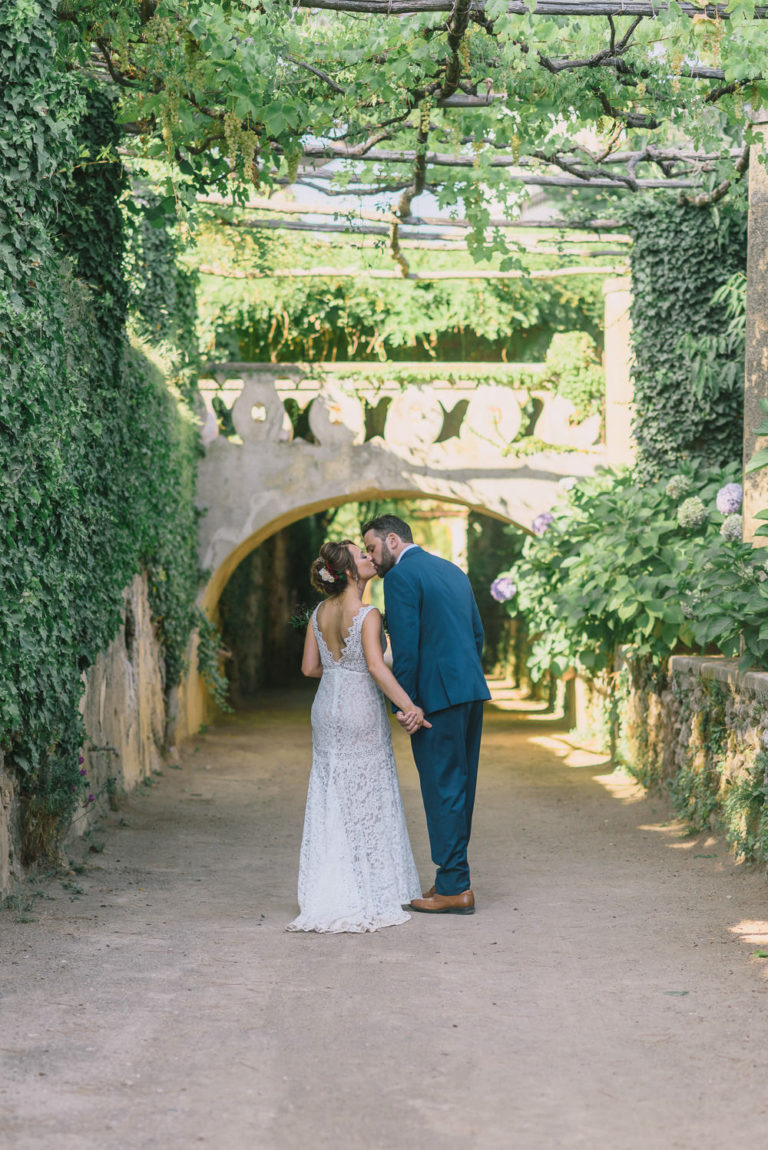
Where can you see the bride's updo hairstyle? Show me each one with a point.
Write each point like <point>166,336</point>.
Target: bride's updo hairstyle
<point>333,568</point>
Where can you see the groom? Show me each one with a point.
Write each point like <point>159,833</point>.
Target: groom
<point>437,641</point>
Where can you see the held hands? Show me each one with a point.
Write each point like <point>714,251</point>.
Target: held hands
<point>412,721</point>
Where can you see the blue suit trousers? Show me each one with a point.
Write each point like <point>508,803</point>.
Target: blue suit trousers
<point>446,758</point>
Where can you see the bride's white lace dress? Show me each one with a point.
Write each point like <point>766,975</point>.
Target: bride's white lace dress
<point>356,867</point>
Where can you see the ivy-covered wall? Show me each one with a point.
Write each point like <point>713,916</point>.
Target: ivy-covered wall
<point>701,734</point>
<point>97,449</point>
<point>688,360</point>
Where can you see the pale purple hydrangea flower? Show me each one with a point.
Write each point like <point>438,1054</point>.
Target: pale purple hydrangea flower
<point>729,498</point>
<point>503,589</point>
<point>678,486</point>
<point>731,528</point>
<point>692,513</point>
<point>542,522</point>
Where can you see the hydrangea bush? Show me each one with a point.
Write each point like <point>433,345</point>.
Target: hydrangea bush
<point>542,522</point>
<point>678,486</point>
<point>647,568</point>
<point>731,528</point>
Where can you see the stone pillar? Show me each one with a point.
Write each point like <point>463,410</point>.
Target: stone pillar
<point>756,375</point>
<point>619,391</point>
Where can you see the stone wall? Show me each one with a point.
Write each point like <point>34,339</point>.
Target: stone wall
<point>700,734</point>
<point>123,704</point>
<point>9,833</point>
<point>124,713</point>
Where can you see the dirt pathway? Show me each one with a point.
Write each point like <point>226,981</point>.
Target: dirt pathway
<point>606,995</point>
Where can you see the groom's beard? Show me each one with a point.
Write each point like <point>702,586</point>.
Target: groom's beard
<point>386,563</point>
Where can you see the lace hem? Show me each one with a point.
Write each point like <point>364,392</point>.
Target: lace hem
<point>348,925</point>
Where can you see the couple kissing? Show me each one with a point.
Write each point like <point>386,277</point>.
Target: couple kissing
<point>356,867</point>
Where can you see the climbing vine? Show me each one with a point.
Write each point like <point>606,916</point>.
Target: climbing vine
<point>97,452</point>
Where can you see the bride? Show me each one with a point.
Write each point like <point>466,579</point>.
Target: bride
<point>356,868</point>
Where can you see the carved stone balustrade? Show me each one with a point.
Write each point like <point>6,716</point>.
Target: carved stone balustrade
<point>418,415</point>
<point>448,439</point>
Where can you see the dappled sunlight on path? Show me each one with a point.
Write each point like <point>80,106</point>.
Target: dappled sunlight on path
<point>600,999</point>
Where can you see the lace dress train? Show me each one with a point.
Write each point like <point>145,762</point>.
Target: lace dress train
<point>356,867</point>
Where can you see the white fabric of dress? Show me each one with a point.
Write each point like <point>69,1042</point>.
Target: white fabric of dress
<point>356,867</point>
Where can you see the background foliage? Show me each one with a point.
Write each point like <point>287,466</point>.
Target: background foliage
<point>327,318</point>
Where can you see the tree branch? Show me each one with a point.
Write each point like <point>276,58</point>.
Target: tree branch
<point>520,8</point>
<point>713,197</point>
<point>457,26</point>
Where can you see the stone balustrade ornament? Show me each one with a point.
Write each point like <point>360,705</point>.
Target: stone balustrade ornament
<point>493,418</point>
<point>414,419</point>
<point>556,424</point>
<point>336,417</point>
<point>258,413</point>
<point>209,423</point>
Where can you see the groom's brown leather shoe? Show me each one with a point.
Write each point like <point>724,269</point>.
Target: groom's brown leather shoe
<point>463,903</point>
<point>429,893</point>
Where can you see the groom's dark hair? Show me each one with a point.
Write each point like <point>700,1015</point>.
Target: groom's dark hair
<point>389,525</point>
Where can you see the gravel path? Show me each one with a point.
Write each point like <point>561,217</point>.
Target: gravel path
<point>606,995</point>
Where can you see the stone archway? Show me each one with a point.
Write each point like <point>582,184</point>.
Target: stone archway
<point>259,478</point>
<point>220,575</point>
<point>195,707</point>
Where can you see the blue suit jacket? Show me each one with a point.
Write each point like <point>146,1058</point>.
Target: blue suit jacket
<point>435,629</point>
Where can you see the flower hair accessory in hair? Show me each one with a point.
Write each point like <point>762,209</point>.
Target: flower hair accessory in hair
<point>325,574</point>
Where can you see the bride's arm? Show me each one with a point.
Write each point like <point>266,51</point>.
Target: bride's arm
<point>311,665</point>
<point>380,672</point>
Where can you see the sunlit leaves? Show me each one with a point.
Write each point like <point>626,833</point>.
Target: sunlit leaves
<point>350,75</point>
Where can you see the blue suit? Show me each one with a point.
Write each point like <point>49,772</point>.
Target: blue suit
<point>437,643</point>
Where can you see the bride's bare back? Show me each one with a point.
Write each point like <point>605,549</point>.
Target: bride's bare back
<point>334,619</point>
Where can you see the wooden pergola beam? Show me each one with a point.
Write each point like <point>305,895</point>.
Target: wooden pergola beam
<point>331,152</point>
<point>261,205</point>
<point>436,240</point>
<point>382,274</point>
<point>519,8</point>
<point>527,178</point>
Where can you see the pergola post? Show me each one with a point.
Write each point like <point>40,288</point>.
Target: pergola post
<point>619,390</point>
<point>756,374</point>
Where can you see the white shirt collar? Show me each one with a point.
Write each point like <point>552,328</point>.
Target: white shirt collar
<point>408,548</point>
